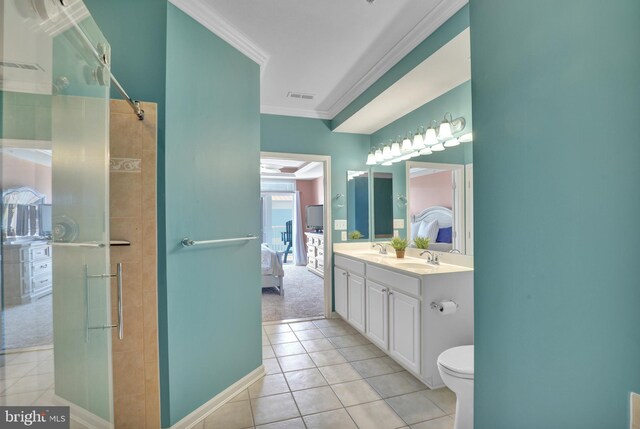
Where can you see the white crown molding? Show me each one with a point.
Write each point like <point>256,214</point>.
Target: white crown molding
<point>214,22</point>
<point>291,111</point>
<point>430,23</point>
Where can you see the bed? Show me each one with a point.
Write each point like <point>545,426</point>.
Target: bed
<point>272,271</point>
<point>444,218</point>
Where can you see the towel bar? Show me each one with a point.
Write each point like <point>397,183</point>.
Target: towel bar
<point>187,242</point>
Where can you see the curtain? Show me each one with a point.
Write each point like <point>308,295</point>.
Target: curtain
<point>299,250</point>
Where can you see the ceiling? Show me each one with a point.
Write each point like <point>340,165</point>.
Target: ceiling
<point>445,69</point>
<point>290,169</point>
<point>331,50</point>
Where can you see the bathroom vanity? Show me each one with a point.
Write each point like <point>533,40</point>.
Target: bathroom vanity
<point>396,304</point>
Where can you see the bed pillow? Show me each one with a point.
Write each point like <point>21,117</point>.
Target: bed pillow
<point>429,229</point>
<point>444,235</point>
<point>415,227</point>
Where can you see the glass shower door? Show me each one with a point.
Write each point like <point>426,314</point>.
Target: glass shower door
<point>56,102</point>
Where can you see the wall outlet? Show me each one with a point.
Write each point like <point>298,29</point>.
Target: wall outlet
<point>396,233</point>
<point>340,225</point>
<point>343,235</point>
<point>635,410</point>
<point>398,223</point>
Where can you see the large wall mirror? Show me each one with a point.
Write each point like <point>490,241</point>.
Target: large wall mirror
<point>383,205</point>
<point>440,205</point>
<point>358,205</point>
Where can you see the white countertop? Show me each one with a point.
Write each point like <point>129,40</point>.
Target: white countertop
<point>408,265</point>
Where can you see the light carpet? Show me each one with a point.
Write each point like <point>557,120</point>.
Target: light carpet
<point>28,325</point>
<point>303,296</point>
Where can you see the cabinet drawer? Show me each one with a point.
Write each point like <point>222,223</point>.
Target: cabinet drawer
<point>320,263</point>
<point>401,282</point>
<point>40,252</point>
<point>350,265</point>
<point>41,267</point>
<point>40,282</point>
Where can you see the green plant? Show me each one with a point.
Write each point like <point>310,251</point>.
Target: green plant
<point>355,235</point>
<point>399,243</point>
<point>422,242</point>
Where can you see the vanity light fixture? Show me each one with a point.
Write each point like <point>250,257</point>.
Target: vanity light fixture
<point>418,140</point>
<point>436,138</point>
<point>395,150</point>
<point>451,143</point>
<point>407,146</point>
<point>371,159</point>
<point>386,153</point>
<point>431,137</point>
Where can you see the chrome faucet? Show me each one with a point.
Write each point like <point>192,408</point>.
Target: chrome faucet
<point>455,251</point>
<point>431,258</point>
<point>383,248</point>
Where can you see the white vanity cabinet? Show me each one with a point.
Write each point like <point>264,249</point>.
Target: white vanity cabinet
<point>340,291</point>
<point>393,309</point>
<point>377,309</point>
<point>350,291</point>
<point>392,306</point>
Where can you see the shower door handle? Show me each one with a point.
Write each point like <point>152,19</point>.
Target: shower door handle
<point>120,315</point>
<point>120,324</point>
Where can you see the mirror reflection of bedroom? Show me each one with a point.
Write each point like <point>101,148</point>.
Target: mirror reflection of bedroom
<point>439,208</point>
<point>292,197</point>
<point>26,254</point>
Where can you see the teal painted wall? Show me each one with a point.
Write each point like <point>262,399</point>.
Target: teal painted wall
<point>212,191</point>
<point>454,26</point>
<point>556,94</point>
<point>314,136</point>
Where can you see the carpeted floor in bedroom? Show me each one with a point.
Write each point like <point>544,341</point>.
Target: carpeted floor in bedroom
<point>303,297</point>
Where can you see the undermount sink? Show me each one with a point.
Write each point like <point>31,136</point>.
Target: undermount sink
<point>414,265</point>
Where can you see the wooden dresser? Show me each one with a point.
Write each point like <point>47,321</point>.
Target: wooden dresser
<point>315,253</point>
<point>27,271</point>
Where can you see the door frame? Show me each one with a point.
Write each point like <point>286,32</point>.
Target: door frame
<point>326,232</point>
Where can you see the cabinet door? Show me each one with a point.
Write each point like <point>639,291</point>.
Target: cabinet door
<point>356,291</point>
<point>404,327</point>
<point>340,284</point>
<point>377,314</point>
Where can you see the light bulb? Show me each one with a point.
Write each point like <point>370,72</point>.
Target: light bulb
<point>444,132</point>
<point>371,159</point>
<point>466,138</point>
<point>387,163</point>
<point>426,151</point>
<point>406,145</point>
<point>378,155</point>
<point>395,149</point>
<point>418,142</point>
<point>386,153</point>
<point>430,137</point>
<point>437,147</point>
<point>415,154</point>
<point>451,143</point>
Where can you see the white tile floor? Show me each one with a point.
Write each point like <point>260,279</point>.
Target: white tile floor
<point>26,378</point>
<point>325,375</point>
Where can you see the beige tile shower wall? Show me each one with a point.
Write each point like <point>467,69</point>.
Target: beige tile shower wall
<point>133,218</point>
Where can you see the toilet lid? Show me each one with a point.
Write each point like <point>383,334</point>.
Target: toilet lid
<point>458,359</point>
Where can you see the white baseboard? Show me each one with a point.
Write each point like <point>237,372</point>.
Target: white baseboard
<point>219,400</point>
<point>82,416</point>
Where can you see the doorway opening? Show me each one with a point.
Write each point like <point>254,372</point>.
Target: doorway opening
<point>294,189</point>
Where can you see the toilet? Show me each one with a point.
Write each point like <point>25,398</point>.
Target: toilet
<point>456,369</point>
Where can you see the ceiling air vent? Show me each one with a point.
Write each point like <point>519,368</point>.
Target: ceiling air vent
<point>300,95</point>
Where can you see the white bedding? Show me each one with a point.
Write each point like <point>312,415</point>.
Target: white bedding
<point>271,263</point>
